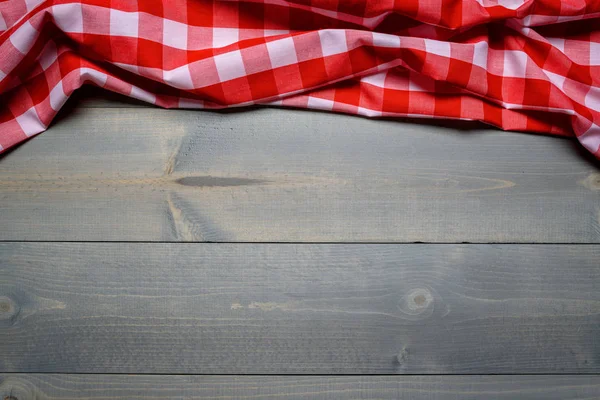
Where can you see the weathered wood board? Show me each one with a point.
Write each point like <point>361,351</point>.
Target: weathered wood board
<point>181,308</point>
<point>473,387</point>
<point>269,175</point>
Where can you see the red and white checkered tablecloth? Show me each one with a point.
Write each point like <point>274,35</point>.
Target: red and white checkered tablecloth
<point>518,65</point>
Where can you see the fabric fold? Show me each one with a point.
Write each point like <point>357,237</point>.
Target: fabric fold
<point>530,66</point>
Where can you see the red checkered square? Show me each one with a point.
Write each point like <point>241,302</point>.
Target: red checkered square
<point>38,90</point>
<point>338,66</point>
<point>251,16</point>
<point>395,101</point>
<point>124,50</point>
<point>154,7</point>
<point>436,66</point>
<point>226,14</point>
<point>288,79</point>
<point>313,73</point>
<point>448,105</point>
<point>276,17</point>
<point>371,98</point>
<point>263,85</point>
<point>513,90</point>
<point>173,58</point>
<point>237,91</point>
<point>199,13</point>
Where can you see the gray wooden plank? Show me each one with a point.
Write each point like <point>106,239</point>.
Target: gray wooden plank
<point>299,308</point>
<point>271,175</point>
<point>49,386</point>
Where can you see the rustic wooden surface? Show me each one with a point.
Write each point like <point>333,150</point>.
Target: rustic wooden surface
<point>102,387</point>
<point>299,308</point>
<point>272,175</point>
<point>112,169</point>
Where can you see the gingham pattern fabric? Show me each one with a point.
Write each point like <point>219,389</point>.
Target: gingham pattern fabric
<point>518,65</point>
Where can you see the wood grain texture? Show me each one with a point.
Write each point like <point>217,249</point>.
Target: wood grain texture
<point>272,175</point>
<point>101,387</point>
<point>299,308</point>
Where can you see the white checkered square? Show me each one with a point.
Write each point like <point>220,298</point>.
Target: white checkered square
<point>68,17</point>
<point>124,23</point>
<point>591,138</point>
<point>375,79</point>
<point>437,47</point>
<point>282,52</point>
<point>480,54</point>
<point>367,112</point>
<point>515,64</point>
<point>592,98</point>
<point>594,53</point>
<point>175,34</point>
<point>511,4</point>
<point>224,36</point>
<point>30,122</point>
<point>320,104</point>
<point>180,78</point>
<point>57,97</point>
<point>385,40</point>
<point>230,65</point>
<point>556,79</point>
<point>24,37</point>
<point>92,75</point>
<point>333,42</point>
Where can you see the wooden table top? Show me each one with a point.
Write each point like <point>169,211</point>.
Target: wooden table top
<point>278,253</point>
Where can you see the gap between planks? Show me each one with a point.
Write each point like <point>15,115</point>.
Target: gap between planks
<point>53,386</point>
